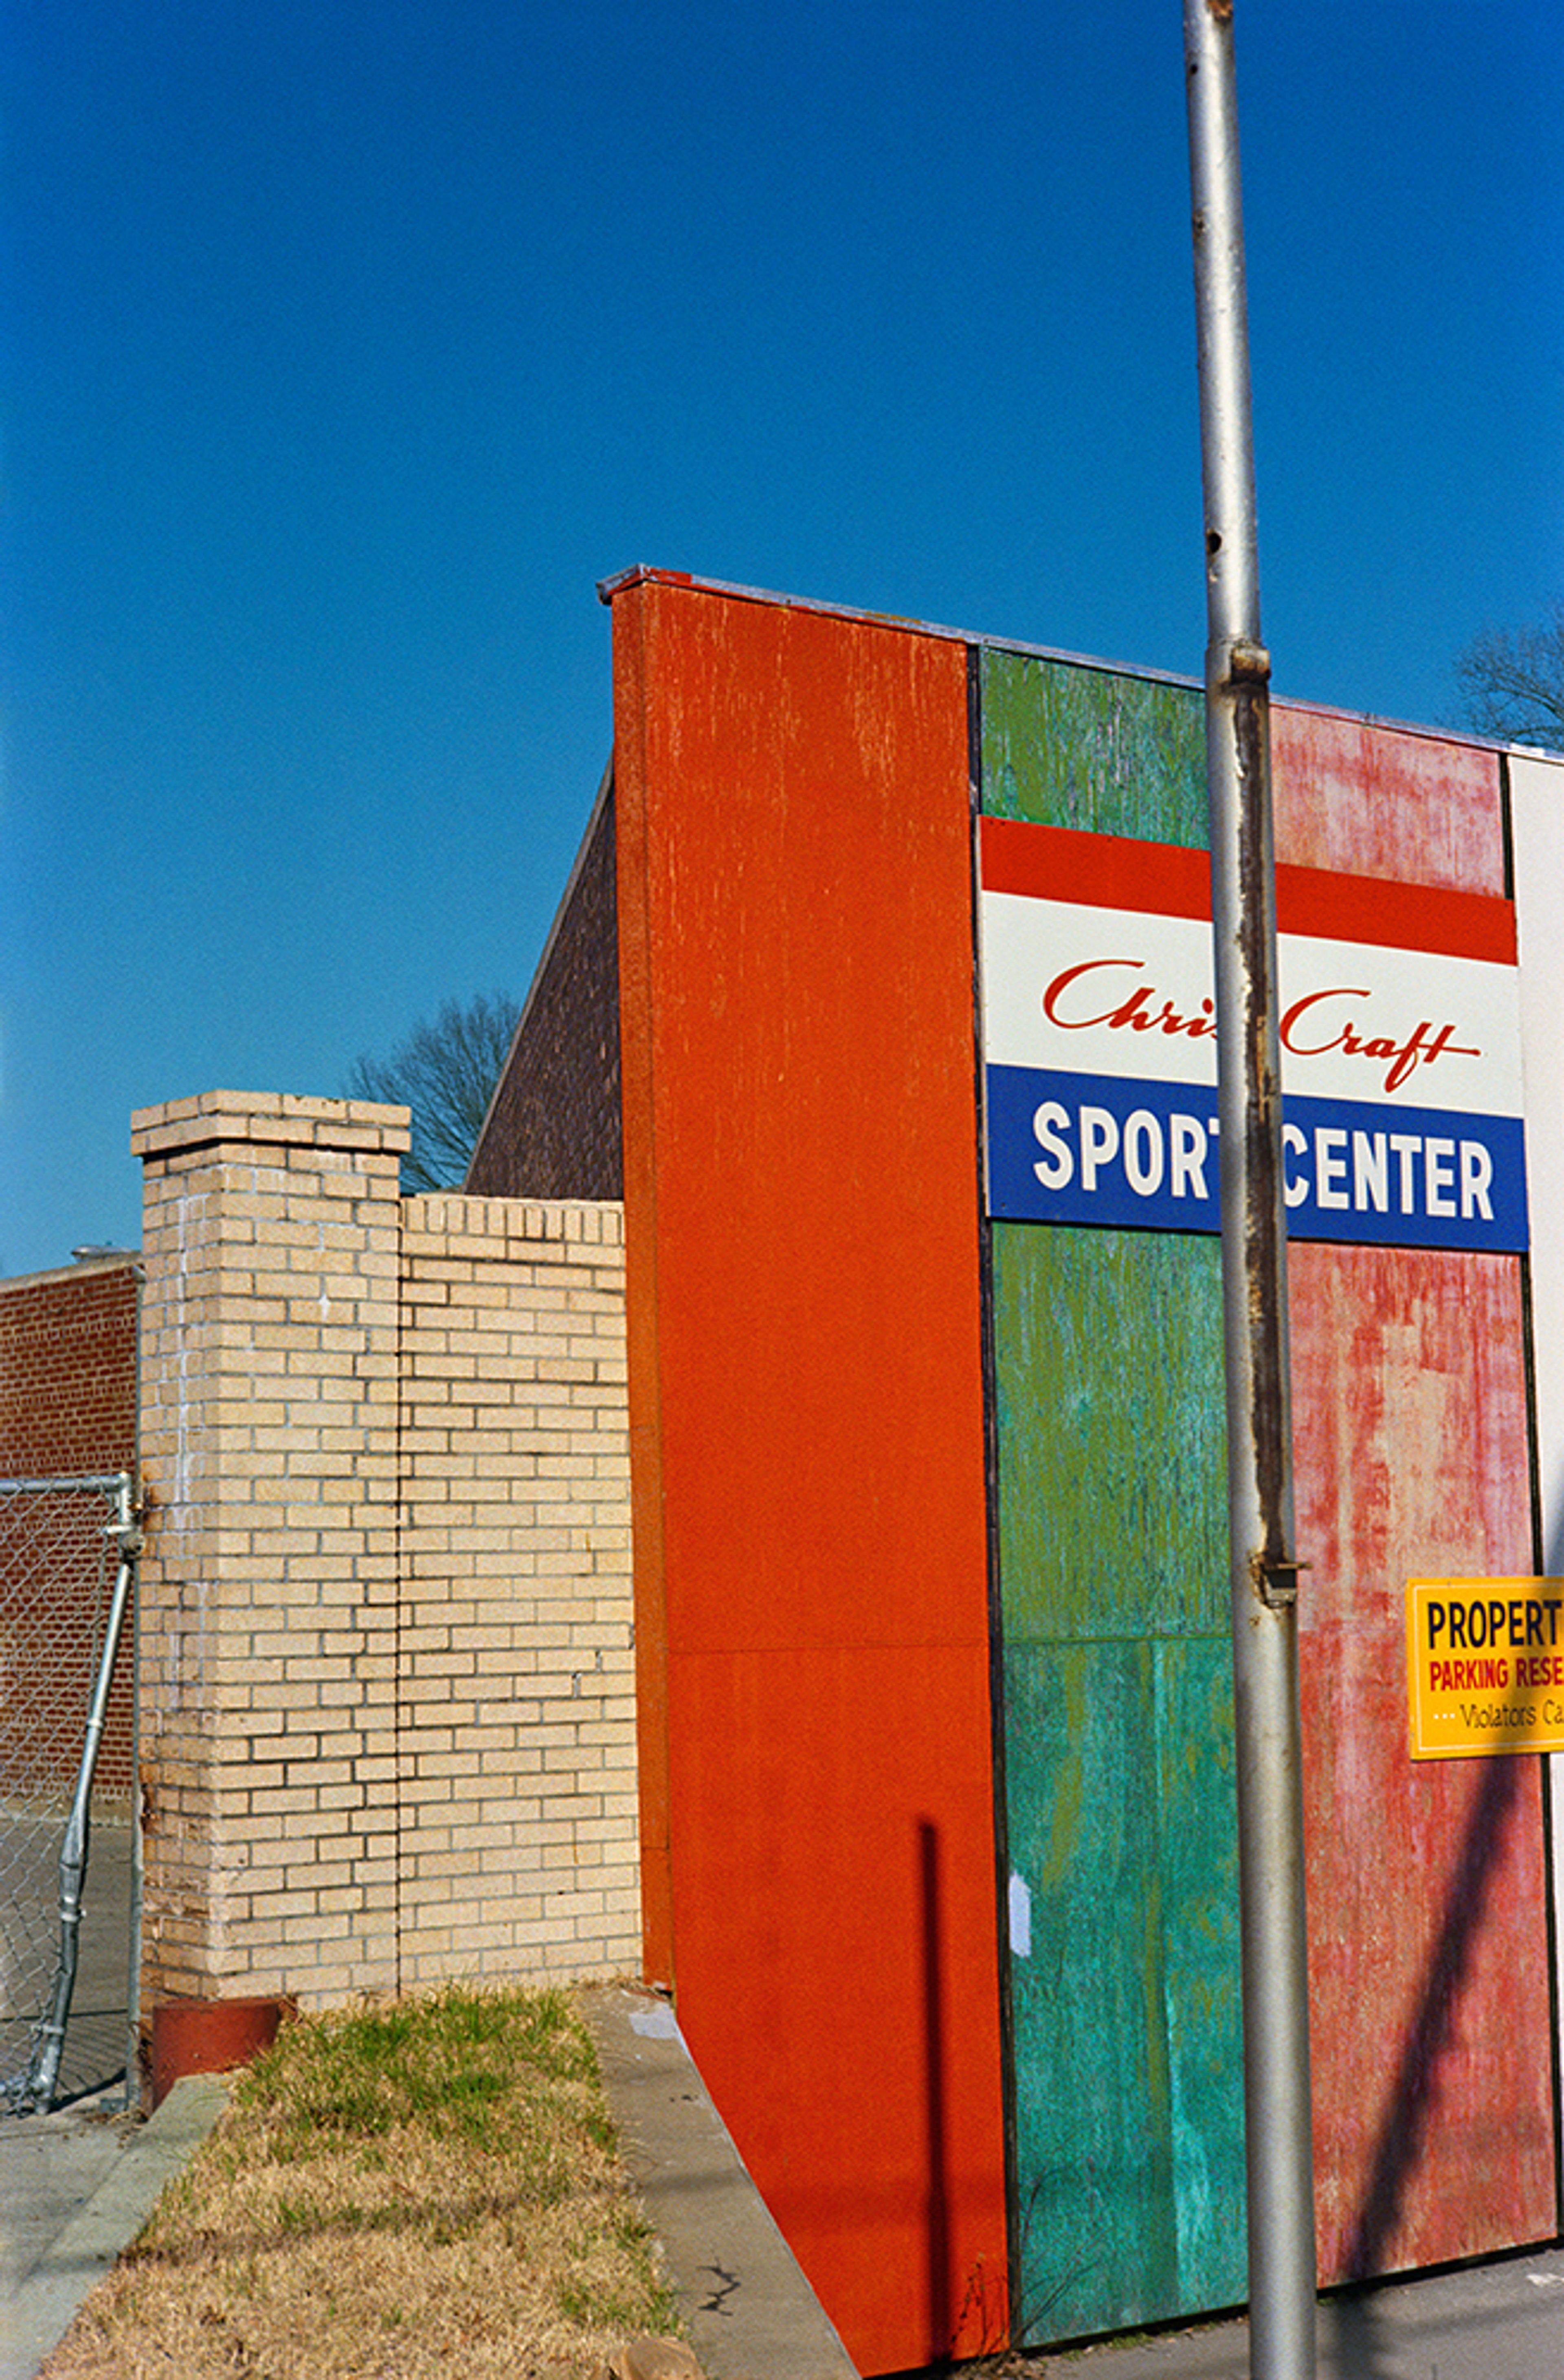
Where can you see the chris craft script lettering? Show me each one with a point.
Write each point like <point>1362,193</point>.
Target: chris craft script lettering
<point>1301,1030</point>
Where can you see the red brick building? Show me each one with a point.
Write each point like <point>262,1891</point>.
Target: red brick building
<point>68,1409</point>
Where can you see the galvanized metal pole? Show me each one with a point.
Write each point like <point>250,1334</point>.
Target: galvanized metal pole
<point>1264,1571</point>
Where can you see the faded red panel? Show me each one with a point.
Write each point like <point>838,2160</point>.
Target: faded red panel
<point>1428,1934</point>
<point>1380,801</point>
<point>806,1405</point>
<point>1427,1896</point>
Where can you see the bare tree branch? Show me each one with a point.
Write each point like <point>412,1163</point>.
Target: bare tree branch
<point>445,1072</point>
<point>1512,682</point>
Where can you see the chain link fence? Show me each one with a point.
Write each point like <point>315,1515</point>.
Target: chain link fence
<point>67,1551</point>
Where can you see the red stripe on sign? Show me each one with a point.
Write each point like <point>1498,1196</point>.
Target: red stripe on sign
<point>1100,871</point>
<point>1109,871</point>
<point>1400,916</point>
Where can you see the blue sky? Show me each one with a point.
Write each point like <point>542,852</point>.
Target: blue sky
<point>345,349</point>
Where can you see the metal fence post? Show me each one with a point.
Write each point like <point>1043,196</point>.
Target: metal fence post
<point>125,1534</point>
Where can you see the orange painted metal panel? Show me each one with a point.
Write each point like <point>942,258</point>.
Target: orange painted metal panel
<point>842,2018</point>
<point>806,1405</point>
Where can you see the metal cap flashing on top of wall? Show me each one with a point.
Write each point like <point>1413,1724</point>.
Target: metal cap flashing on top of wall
<point>642,574</point>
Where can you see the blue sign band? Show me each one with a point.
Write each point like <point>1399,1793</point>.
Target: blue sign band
<point>1083,1148</point>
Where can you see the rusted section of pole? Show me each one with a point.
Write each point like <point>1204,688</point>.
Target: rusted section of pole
<point>1264,1566</point>
<point>1239,697</point>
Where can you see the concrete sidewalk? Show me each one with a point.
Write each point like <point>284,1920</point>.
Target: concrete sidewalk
<point>753,2316</point>
<point>750,2312</point>
<point>1497,2321</point>
<point>75,2189</point>
<point>96,2037</point>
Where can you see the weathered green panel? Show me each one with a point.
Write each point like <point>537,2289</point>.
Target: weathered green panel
<point>1118,1755</point>
<point>1067,745</point>
<point>1113,1517</point>
<point>1096,2235</point>
<point>1203,1998</point>
<point>1128,2103</point>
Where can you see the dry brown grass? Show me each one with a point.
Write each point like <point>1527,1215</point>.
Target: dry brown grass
<point>428,2187</point>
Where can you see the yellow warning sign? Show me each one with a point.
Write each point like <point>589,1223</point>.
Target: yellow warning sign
<point>1484,1666</point>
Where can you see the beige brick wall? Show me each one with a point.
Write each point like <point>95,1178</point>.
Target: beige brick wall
<point>388,1722</point>
<point>517,1759</point>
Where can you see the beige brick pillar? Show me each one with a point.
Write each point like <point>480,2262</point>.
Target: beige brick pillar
<point>519,1807</point>
<point>269,1420</point>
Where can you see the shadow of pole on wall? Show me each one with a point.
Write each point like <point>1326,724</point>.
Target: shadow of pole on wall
<point>940,2339</point>
<point>1406,2117</point>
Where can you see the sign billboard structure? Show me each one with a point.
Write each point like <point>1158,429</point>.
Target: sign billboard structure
<point>969,1465</point>
<point>1400,1047</point>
